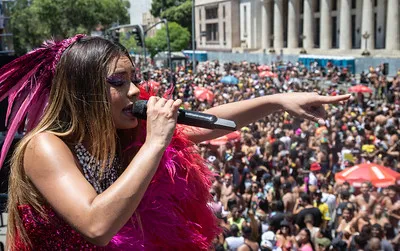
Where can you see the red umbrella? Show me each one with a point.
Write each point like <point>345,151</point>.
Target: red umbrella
<point>268,74</point>
<point>233,136</point>
<point>360,88</point>
<point>379,176</point>
<point>204,94</point>
<point>263,68</point>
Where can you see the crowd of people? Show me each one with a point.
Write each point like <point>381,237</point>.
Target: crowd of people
<point>127,184</point>
<point>275,187</point>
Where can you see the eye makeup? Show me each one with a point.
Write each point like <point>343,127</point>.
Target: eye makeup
<point>119,79</point>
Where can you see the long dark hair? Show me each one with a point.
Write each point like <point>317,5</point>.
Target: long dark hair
<point>309,238</point>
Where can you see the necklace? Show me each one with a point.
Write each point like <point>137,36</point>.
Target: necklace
<point>98,178</point>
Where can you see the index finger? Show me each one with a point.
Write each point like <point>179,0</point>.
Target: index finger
<point>333,99</point>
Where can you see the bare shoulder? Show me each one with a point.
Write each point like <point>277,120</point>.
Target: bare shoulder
<point>45,150</point>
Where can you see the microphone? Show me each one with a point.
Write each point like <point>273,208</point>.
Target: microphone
<point>190,118</point>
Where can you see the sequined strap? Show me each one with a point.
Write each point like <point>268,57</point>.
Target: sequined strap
<point>98,178</point>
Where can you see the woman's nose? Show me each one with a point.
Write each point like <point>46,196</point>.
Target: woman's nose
<point>133,90</point>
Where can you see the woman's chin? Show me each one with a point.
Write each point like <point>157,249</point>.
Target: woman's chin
<point>127,124</point>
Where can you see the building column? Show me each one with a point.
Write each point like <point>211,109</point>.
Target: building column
<point>345,25</point>
<point>308,24</point>
<point>359,4</point>
<point>367,24</point>
<point>293,24</point>
<point>278,24</point>
<point>265,24</point>
<point>392,26</point>
<point>325,25</point>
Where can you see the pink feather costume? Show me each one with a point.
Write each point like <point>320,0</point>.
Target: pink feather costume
<point>172,215</point>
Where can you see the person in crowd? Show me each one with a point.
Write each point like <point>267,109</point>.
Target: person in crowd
<point>304,242</point>
<point>289,199</point>
<point>322,244</point>
<point>361,242</point>
<point>309,221</point>
<point>323,208</point>
<point>110,183</point>
<point>378,216</point>
<point>308,209</point>
<point>249,244</point>
<point>235,240</point>
<point>377,232</point>
<point>365,199</point>
<point>284,237</point>
<point>236,219</point>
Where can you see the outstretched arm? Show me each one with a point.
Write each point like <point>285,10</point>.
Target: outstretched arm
<point>303,105</point>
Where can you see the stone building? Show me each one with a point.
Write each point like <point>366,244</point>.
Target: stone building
<point>313,26</point>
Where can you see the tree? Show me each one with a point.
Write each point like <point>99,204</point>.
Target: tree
<point>179,11</point>
<point>159,6</point>
<point>179,39</point>
<point>38,20</point>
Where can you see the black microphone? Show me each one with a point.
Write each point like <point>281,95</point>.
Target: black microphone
<point>190,118</point>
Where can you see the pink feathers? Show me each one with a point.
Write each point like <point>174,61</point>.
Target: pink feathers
<point>27,81</point>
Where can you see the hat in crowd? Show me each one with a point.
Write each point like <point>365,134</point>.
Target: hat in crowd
<point>315,167</point>
<point>269,236</point>
<point>211,158</point>
<point>325,242</point>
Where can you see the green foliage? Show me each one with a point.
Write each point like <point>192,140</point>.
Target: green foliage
<point>181,14</point>
<point>179,11</point>
<point>158,6</point>
<point>179,39</point>
<point>129,42</point>
<point>38,20</point>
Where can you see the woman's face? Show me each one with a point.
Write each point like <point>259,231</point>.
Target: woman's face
<point>346,215</point>
<point>123,93</point>
<point>378,209</point>
<point>303,236</point>
<point>285,230</point>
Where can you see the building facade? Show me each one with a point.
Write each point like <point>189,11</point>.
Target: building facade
<point>312,26</point>
<point>6,36</point>
<point>217,24</point>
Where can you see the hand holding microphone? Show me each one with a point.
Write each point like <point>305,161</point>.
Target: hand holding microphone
<point>161,117</point>
<point>190,118</point>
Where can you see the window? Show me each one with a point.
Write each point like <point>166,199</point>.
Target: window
<point>223,11</point>
<point>212,32</point>
<point>353,29</point>
<point>353,4</point>
<point>200,32</point>
<point>334,4</point>
<point>301,7</point>
<point>212,13</point>
<point>199,14</point>
<point>245,20</point>
<point>316,6</point>
<point>224,32</point>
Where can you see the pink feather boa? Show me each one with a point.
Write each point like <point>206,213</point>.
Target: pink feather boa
<point>173,214</point>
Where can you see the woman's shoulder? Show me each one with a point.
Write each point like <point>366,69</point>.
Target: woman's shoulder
<point>45,142</point>
<point>46,148</point>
